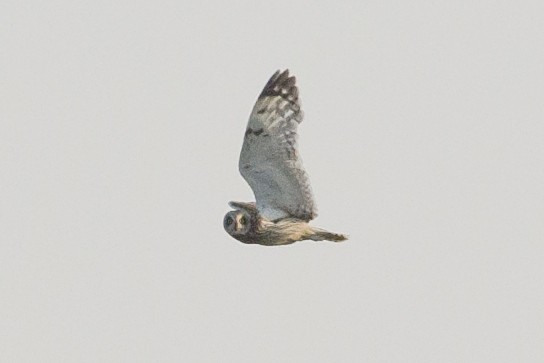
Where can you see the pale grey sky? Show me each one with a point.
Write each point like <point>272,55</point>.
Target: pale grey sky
<point>120,129</point>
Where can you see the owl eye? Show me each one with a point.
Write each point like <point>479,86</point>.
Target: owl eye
<point>228,221</point>
<point>243,220</point>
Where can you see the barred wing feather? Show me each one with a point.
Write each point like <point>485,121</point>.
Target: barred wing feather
<point>270,161</point>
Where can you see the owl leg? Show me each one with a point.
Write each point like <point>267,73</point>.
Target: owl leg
<point>319,234</point>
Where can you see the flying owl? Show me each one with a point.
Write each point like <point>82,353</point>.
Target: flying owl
<point>271,165</point>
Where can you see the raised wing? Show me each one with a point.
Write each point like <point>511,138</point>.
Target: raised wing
<point>269,160</point>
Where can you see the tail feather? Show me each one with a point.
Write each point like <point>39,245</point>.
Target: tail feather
<point>321,235</point>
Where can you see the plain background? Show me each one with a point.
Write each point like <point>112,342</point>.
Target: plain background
<point>121,127</point>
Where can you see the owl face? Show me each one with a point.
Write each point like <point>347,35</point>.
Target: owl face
<point>237,223</point>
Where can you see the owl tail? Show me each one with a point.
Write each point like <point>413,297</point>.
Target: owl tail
<point>322,235</point>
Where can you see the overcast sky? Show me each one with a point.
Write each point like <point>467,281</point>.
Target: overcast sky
<point>121,124</point>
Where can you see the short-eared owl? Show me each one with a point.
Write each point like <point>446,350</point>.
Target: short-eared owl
<point>271,164</point>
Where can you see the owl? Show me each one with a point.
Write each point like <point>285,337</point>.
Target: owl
<point>271,164</point>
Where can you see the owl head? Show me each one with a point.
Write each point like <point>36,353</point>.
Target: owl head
<point>238,223</point>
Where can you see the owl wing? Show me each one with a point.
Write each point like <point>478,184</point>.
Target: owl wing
<point>270,161</point>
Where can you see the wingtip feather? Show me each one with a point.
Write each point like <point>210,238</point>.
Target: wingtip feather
<point>281,84</point>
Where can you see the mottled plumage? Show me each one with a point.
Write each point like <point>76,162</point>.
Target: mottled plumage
<point>272,166</point>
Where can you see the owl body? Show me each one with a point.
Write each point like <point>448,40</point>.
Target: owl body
<point>247,226</point>
<point>271,164</point>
